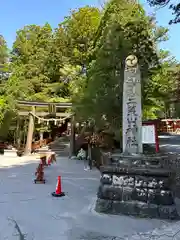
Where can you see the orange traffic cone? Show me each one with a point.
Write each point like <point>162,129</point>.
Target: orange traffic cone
<point>58,192</point>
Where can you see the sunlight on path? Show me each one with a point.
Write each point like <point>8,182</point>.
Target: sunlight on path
<point>72,217</point>
<point>13,161</point>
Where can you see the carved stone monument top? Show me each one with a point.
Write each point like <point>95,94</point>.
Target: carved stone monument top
<point>131,61</point>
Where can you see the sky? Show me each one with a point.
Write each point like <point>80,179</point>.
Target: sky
<point>15,14</point>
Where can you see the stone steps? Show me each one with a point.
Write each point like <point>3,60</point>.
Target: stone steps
<point>60,146</point>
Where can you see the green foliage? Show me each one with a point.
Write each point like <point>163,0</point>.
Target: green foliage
<point>4,69</point>
<point>80,28</point>
<point>174,6</point>
<point>3,51</point>
<point>160,86</point>
<point>42,127</point>
<point>29,56</point>
<point>47,65</point>
<point>44,62</point>
<point>124,29</point>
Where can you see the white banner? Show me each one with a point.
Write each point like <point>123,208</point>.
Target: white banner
<point>148,134</point>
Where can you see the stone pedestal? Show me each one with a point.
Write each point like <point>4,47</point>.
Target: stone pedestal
<point>137,185</point>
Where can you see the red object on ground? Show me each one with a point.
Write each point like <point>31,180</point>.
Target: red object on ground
<point>40,174</point>
<point>58,192</point>
<point>43,160</point>
<point>58,185</point>
<point>38,169</point>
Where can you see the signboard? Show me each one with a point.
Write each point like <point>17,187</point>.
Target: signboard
<point>148,134</point>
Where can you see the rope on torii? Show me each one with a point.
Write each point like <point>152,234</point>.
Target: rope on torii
<point>47,120</point>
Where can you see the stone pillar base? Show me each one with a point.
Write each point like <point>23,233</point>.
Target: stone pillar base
<point>136,209</point>
<point>137,186</point>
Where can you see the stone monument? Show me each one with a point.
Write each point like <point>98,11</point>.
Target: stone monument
<point>134,183</point>
<point>132,117</point>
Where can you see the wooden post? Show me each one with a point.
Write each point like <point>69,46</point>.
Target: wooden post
<point>72,137</point>
<point>156,138</point>
<point>28,147</point>
<point>18,133</point>
<point>89,151</point>
<point>90,155</point>
<point>41,136</point>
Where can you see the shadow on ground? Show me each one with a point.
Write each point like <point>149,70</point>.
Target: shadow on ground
<point>69,218</point>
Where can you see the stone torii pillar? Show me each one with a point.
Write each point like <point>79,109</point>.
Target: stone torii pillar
<point>28,147</point>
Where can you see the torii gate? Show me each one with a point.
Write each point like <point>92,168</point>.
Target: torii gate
<point>53,113</point>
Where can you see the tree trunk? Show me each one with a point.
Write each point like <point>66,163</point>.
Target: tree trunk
<point>72,137</point>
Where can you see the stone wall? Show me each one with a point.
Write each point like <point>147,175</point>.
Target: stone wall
<point>172,161</point>
<point>163,160</point>
<point>137,189</point>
